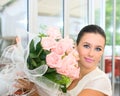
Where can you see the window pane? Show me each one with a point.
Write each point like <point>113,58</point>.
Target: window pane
<point>13,21</point>
<point>50,14</point>
<point>78,16</point>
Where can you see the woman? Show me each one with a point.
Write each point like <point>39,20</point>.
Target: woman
<point>92,81</point>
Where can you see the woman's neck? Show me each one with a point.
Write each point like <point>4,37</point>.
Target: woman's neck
<point>84,71</point>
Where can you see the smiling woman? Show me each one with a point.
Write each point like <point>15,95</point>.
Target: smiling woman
<point>92,80</point>
<point>90,44</point>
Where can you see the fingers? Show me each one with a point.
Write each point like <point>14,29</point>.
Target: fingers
<point>24,83</point>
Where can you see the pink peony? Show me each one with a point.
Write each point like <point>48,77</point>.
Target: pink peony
<point>75,53</point>
<point>63,46</point>
<point>59,48</point>
<point>67,44</point>
<point>54,33</point>
<point>53,60</point>
<point>69,67</point>
<point>48,43</point>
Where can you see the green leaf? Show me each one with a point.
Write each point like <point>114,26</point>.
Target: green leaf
<point>33,55</point>
<point>63,88</point>
<point>31,63</point>
<point>32,48</point>
<point>42,35</point>
<point>50,70</point>
<point>59,79</point>
<point>39,48</point>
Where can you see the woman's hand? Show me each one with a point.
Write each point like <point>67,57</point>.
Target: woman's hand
<point>25,86</point>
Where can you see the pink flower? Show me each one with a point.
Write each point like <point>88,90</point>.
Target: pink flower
<point>69,67</point>
<point>54,33</point>
<point>53,60</point>
<point>63,46</point>
<point>75,53</point>
<point>59,48</point>
<point>48,43</point>
<point>67,44</point>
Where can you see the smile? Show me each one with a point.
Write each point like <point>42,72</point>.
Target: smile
<point>89,60</point>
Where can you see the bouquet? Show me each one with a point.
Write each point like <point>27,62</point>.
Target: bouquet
<point>51,63</point>
<point>57,58</point>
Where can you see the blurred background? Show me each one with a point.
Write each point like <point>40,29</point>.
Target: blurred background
<point>18,17</point>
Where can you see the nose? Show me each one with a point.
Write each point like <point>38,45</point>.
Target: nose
<point>91,53</point>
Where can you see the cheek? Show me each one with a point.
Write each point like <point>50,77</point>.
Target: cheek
<point>98,57</point>
<point>82,52</point>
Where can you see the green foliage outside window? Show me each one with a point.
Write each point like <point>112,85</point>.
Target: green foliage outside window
<point>109,22</point>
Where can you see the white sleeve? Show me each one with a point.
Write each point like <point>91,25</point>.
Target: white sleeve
<point>101,84</point>
<point>3,87</point>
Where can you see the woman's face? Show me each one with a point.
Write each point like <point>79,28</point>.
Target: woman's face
<point>90,48</point>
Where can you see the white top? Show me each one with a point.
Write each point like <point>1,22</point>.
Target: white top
<point>96,80</point>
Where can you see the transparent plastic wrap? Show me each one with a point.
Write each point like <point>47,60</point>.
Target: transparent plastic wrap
<point>12,58</point>
<point>15,67</point>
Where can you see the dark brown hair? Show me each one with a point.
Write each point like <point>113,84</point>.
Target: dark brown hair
<point>90,29</point>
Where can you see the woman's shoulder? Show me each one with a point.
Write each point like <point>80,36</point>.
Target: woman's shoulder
<point>97,73</point>
<point>96,80</point>
<point>99,81</point>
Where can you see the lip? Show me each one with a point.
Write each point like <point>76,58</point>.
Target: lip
<point>89,60</point>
